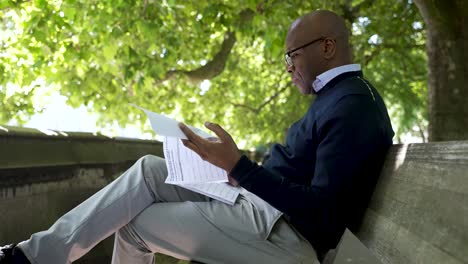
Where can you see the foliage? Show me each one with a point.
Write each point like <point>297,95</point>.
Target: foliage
<point>156,54</point>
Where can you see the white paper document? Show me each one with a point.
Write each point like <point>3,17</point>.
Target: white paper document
<point>220,191</point>
<point>165,126</point>
<point>185,167</point>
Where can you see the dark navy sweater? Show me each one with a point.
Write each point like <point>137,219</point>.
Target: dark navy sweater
<point>324,175</point>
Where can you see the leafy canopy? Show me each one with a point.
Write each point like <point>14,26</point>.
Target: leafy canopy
<point>220,61</point>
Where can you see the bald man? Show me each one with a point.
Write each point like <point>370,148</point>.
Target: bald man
<point>293,209</point>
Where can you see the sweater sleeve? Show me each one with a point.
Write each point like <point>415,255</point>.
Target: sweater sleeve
<point>286,196</point>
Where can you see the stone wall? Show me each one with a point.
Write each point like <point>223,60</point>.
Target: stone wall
<point>45,174</point>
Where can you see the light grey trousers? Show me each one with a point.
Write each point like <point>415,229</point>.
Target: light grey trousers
<point>150,216</point>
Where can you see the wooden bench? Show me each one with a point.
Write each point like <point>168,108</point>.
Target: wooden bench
<point>418,214</point>
<point>419,210</point>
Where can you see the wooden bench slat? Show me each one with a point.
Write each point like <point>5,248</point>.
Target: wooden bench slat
<point>419,210</point>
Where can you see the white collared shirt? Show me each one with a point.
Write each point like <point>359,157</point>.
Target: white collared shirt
<point>327,76</point>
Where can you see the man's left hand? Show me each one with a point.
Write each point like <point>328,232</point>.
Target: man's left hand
<point>222,152</point>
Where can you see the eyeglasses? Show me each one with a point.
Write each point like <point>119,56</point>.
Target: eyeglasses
<point>287,55</point>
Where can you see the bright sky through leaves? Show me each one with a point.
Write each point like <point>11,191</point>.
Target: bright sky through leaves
<point>218,61</point>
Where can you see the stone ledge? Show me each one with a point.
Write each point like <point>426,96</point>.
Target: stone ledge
<point>26,147</point>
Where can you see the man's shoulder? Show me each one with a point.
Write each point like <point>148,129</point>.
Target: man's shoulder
<point>343,95</point>
<point>355,85</point>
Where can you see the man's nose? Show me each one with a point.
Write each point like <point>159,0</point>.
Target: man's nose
<point>290,68</point>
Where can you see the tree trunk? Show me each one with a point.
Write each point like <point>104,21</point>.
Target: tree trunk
<point>447,50</point>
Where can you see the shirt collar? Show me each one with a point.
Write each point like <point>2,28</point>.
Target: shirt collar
<point>327,76</point>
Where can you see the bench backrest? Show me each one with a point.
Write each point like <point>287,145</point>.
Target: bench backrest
<point>419,210</point>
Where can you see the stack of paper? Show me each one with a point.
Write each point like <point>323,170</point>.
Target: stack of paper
<point>185,167</point>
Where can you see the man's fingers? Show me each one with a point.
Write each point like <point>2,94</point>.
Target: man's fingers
<point>191,146</point>
<point>213,139</point>
<point>219,131</point>
<point>190,134</point>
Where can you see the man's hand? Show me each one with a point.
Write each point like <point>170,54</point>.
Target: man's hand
<point>222,152</point>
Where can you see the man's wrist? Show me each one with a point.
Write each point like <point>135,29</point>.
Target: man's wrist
<point>240,167</point>
<point>233,163</point>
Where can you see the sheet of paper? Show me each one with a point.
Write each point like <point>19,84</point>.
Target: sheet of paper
<point>188,170</point>
<point>165,126</point>
<point>219,191</point>
<point>185,166</point>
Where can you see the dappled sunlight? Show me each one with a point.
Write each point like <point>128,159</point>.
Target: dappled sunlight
<point>4,129</point>
<point>204,86</point>
<point>62,133</point>
<point>48,132</point>
<point>400,156</point>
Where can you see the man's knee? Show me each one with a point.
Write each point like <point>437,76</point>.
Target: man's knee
<point>154,166</point>
<point>152,160</point>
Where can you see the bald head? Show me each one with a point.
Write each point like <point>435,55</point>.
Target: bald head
<point>322,23</point>
<point>316,42</point>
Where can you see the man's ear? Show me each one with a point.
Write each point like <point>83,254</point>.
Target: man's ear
<point>329,48</point>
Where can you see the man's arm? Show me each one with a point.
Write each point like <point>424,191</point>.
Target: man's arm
<point>351,142</point>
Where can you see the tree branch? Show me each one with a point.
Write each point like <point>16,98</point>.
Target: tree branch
<point>17,4</point>
<point>216,66</point>
<point>381,47</point>
<point>421,131</point>
<point>350,13</point>
<point>255,110</point>
<point>143,13</point>
<point>262,105</point>
<point>374,53</point>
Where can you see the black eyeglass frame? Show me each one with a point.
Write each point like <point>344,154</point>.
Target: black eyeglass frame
<point>287,56</point>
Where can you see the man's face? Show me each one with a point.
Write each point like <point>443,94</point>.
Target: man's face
<point>305,60</point>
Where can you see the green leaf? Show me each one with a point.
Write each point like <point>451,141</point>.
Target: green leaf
<point>110,50</point>
<point>124,49</point>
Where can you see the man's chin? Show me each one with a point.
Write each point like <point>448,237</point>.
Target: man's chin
<point>305,90</point>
